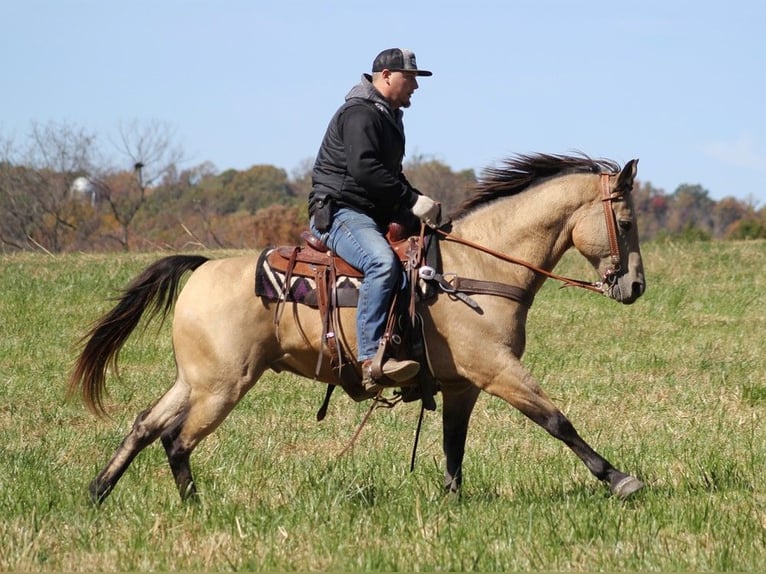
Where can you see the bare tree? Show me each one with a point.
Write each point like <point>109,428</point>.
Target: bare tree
<point>35,186</point>
<point>17,219</point>
<point>153,158</point>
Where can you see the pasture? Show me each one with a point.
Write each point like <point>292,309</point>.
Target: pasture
<point>671,389</point>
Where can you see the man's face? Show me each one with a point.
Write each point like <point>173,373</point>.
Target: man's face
<point>400,86</point>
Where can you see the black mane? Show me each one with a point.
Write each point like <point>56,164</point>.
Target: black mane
<point>521,172</point>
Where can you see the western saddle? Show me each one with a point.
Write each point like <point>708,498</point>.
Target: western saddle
<point>403,335</point>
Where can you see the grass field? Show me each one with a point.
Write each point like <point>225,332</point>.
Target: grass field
<point>671,389</point>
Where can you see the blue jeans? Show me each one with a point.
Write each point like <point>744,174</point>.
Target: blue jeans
<point>356,238</point>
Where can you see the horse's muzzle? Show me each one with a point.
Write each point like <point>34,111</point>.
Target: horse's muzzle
<point>632,291</point>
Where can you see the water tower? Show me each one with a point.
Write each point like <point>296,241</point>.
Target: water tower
<point>84,188</point>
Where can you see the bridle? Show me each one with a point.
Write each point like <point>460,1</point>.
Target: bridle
<point>608,279</point>
<point>607,197</point>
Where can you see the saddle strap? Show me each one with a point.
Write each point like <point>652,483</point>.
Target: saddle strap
<point>280,307</point>
<point>481,287</point>
<point>320,276</point>
<point>327,302</point>
<point>459,287</point>
<point>332,334</point>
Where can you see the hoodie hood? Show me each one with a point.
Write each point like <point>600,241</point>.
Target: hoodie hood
<point>366,91</point>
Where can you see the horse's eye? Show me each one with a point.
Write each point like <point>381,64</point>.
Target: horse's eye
<point>625,225</point>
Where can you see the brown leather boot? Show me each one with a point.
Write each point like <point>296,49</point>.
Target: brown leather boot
<point>399,371</point>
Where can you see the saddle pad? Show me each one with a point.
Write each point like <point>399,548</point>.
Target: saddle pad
<point>270,285</point>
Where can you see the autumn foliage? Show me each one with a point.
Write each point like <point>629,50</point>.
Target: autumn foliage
<point>55,198</point>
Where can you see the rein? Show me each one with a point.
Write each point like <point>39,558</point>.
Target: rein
<point>610,275</point>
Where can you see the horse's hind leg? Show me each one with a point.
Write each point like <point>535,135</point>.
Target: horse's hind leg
<point>148,426</point>
<point>211,400</point>
<point>180,466</point>
<point>521,390</point>
<point>204,415</point>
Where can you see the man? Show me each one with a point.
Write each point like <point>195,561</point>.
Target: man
<point>358,188</point>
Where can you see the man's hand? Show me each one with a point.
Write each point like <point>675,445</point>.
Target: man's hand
<point>428,211</point>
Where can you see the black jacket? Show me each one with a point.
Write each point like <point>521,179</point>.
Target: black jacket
<point>359,163</point>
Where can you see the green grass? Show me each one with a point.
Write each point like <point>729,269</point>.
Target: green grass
<point>671,389</point>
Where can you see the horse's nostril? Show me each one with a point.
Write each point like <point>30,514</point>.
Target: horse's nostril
<point>638,289</point>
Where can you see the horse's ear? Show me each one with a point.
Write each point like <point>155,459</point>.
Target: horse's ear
<point>627,175</point>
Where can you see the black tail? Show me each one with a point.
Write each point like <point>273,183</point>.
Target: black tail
<point>155,291</point>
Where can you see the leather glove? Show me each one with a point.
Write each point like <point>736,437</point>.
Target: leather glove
<point>428,210</point>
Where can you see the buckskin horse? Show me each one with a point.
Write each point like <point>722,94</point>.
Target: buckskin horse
<point>519,220</point>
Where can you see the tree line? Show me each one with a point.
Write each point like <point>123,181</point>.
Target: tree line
<point>59,192</point>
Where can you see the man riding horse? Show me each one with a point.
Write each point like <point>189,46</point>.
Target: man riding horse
<point>359,188</point>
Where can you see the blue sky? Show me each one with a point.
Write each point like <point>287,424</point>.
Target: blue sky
<point>677,84</point>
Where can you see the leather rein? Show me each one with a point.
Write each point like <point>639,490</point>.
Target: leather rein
<point>608,278</point>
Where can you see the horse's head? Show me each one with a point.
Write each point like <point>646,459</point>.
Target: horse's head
<point>607,235</point>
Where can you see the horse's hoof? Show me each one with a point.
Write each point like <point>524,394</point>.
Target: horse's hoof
<point>98,492</point>
<point>626,487</point>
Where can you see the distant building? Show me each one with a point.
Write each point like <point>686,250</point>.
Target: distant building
<point>86,189</point>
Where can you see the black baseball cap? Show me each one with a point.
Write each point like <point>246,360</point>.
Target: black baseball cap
<point>398,60</point>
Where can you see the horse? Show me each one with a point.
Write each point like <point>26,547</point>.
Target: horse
<point>520,218</point>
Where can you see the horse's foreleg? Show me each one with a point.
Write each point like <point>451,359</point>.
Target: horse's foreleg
<point>520,389</point>
<point>621,484</point>
<point>456,412</point>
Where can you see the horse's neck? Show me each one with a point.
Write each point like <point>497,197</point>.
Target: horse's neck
<point>534,226</point>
